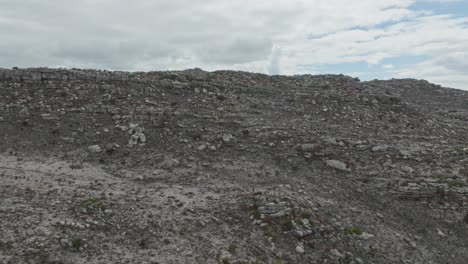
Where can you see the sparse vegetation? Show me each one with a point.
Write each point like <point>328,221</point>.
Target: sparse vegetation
<point>457,183</point>
<point>232,248</point>
<point>77,243</point>
<point>287,226</point>
<point>353,231</point>
<point>94,203</point>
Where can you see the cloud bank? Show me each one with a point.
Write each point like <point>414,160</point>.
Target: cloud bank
<point>275,36</point>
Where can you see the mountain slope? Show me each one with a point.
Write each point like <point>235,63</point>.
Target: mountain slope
<point>230,167</point>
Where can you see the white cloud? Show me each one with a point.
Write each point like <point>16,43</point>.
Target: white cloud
<point>222,34</point>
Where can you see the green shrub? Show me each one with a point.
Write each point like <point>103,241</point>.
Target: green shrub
<point>353,231</point>
<point>77,243</point>
<point>232,248</point>
<point>457,183</point>
<point>93,202</point>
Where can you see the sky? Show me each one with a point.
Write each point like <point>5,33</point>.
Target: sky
<point>368,39</point>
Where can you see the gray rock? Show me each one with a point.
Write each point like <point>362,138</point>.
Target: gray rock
<point>407,169</point>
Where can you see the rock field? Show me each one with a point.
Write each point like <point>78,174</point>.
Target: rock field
<point>230,167</point>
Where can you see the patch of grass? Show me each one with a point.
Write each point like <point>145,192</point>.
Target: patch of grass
<point>254,211</point>
<point>257,261</point>
<point>307,215</point>
<point>93,202</point>
<point>77,243</point>
<point>278,262</point>
<point>232,248</point>
<point>295,167</point>
<point>353,231</point>
<point>457,183</point>
<point>458,148</point>
<point>287,226</point>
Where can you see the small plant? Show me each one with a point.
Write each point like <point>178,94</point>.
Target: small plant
<point>225,261</point>
<point>232,248</point>
<point>77,243</point>
<point>353,231</point>
<point>268,233</point>
<point>93,202</point>
<point>278,262</point>
<point>287,226</point>
<point>306,214</point>
<point>457,148</point>
<point>256,214</point>
<point>457,183</point>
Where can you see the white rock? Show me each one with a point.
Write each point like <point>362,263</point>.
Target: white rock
<point>366,236</point>
<point>227,138</point>
<point>94,149</point>
<point>336,164</point>
<point>380,148</point>
<point>202,147</point>
<point>169,163</point>
<point>300,249</point>
<point>335,254</point>
<point>440,233</point>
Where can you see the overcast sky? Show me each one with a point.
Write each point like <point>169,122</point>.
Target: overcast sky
<point>423,39</point>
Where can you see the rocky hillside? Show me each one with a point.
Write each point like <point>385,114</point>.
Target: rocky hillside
<point>230,167</point>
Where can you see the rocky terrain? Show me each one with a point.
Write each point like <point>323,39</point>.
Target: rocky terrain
<point>230,167</point>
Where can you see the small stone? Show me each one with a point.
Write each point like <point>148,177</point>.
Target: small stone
<point>335,254</point>
<point>336,164</point>
<point>365,236</point>
<point>169,163</point>
<point>202,147</point>
<point>440,233</point>
<point>227,138</point>
<point>94,149</point>
<point>407,169</point>
<point>300,249</point>
<point>308,148</point>
<point>380,148</point>
<point>76,166</point>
